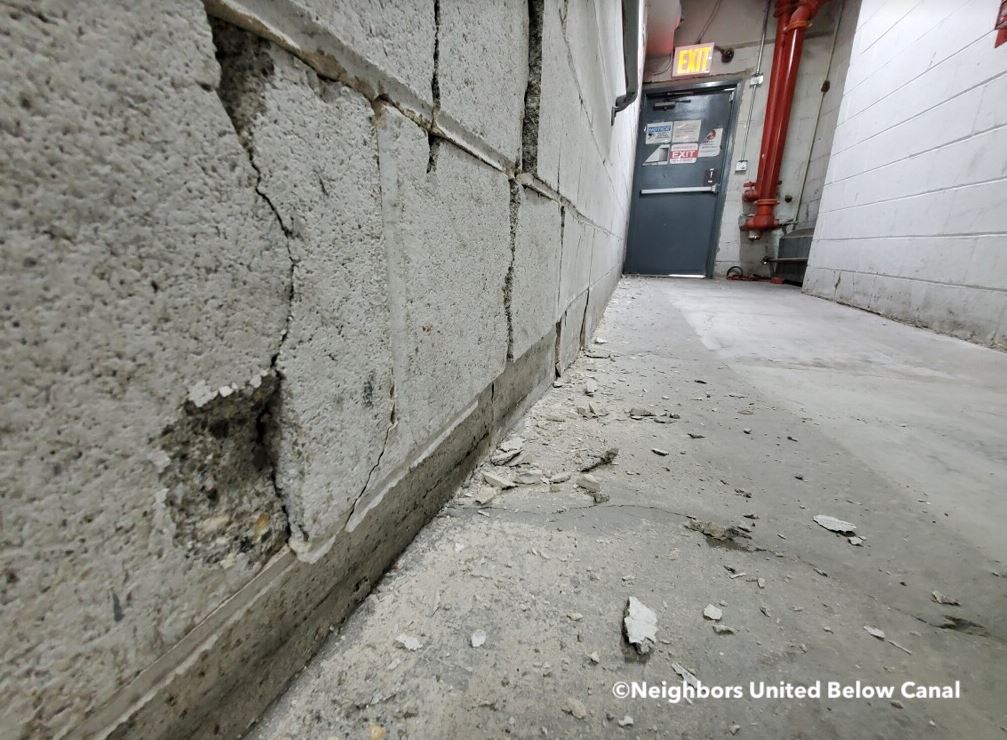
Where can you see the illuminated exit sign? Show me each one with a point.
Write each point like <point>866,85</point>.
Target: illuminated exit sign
<point>693,60</point>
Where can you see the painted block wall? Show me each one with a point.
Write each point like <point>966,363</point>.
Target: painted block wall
<point>738,26</point>
<point>275,274</point>
<point>912,222</point>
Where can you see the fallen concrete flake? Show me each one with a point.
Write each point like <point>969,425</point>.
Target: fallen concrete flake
<point>588,482</point>
<point>600,340</point>
<point>734,728</point>
<point>590,387</point>
<point>498,481</point>
<point>502,458</point>
<point>511,444</point>
<point>639,625</point>
<point>834,525</point>
<point>856,541</point>
<point>529,478</point>
<point>685,674</point>
<point>574,708</point>
<point>694,435</point>
<point>723,629</point>
<point>409,642</point>
<point>874,632</point>
<point>485,495</point>
<point>478,638</point>
<point>594,658</point>
<point>906,650</point>
<point>596,461</point>
<point>560,478</point>
<point>713,612</point>
<point>940,598</point>
<point>717,532</point>
<point>659,452</point>
<point>575,616</point>
<point>626,721</point>
<point>638,412</point>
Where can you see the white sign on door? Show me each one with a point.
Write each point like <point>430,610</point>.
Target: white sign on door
<point>686,131</point>
<point>658,132</point>
<point>710,146</point>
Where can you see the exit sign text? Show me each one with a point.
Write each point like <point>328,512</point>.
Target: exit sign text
<point>693,60</point>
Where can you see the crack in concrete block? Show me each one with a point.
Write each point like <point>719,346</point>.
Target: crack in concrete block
<point>508,287</point>
<point>533,92</point>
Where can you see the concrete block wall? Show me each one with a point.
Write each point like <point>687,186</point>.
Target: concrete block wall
<point>912,223</point>
<point>276,273</point>
<point>738,26</point>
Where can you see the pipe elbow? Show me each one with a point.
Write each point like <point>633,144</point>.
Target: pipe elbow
<point>803,14</point>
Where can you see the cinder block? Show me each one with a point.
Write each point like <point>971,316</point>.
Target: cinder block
<point>606,254</point>
<point>315,148</point>
<point>571,327</point>
<point>447,232</point>
<point>536,272</point>
<point>598,296</point>
<point>554,108</point>
<point>138,263</point>
<point>578,249</point>
<point>397,38</point>
<point>483,69</point>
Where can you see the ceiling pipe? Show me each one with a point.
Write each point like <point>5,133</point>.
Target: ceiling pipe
<point>778,117</point>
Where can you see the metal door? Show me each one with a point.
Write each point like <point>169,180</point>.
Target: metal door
<point>678,190</point>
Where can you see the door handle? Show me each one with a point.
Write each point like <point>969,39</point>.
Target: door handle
<point>669,191</point>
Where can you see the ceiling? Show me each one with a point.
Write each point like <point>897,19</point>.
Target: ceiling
<point>663,17</point>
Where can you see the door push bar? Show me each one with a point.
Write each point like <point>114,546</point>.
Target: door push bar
<point>666,191</point>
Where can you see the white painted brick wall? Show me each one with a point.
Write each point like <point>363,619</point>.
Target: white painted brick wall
<point>913,214</point>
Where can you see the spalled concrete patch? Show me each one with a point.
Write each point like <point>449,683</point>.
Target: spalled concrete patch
<point>219,490</point>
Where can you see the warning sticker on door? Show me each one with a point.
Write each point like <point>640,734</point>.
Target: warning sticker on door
<point>710,146</point>
<point>683,153</point>
<point>686,131</point>
<point>658,132</point>
<point>658,156</point>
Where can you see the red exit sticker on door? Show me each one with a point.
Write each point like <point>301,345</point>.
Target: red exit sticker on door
<point>683,153</point>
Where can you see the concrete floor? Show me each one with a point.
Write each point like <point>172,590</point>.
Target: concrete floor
<point>898,430</point>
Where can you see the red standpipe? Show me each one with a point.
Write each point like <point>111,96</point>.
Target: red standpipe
<point>771,158</point>
<point>784,8</point>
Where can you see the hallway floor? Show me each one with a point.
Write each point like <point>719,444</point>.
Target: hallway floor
<point>772,407</point>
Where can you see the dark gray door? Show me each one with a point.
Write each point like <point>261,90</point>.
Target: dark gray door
<point>680,158</point>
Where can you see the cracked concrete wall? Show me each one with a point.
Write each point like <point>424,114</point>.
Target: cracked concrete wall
<point>276,272</point>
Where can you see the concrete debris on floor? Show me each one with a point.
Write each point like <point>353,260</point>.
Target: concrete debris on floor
<point>678,538</point>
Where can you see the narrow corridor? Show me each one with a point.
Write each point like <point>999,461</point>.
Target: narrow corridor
<point>740,412</point>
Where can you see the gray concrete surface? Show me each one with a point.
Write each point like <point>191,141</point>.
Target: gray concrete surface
<point>274,273</point>
<point>912,223</point>
<point>770,404</point>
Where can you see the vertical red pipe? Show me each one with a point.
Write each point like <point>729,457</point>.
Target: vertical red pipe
<point>764,217</point>
<point>784,8</point>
